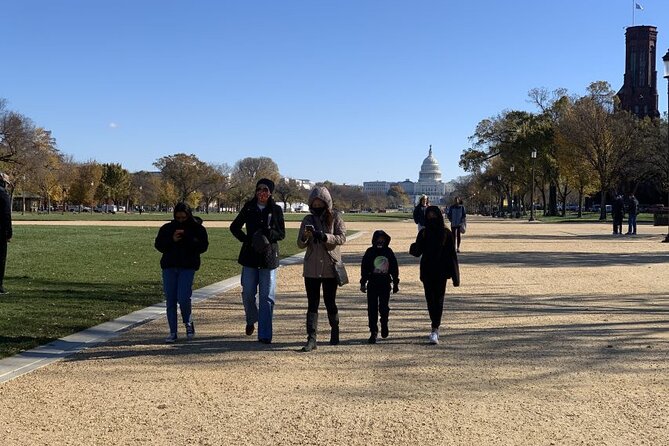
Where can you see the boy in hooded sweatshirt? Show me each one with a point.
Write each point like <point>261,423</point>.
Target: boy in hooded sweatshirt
<point>378,270</point>
<point>181,242</point>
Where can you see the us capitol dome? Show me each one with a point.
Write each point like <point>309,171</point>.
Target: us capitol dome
<point>429,183</point>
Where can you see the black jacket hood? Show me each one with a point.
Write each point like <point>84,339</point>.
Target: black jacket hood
<point>383,233</point>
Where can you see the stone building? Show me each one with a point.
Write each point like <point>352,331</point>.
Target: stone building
<point>639,91</point>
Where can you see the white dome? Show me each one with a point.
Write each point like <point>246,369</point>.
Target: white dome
<point>429,170</point>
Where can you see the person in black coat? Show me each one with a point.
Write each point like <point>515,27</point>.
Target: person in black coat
<point>419,212</point>
<point>618,213</point>
<point>378,270</point>
<point>435,245</point>
<point>5,226</point>
<point>259,257</point>
<point>181,242</point>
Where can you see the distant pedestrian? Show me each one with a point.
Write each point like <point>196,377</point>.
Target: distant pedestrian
<point>378,270</point>
<point>457,215</point>
<point>618,213</point>
<point>181,241</point>
<point>435,245</point>
<point>5,226</point>
<point>259,257</point>
<point>419,212</point>
<point>322,232</point>
<point>632,211</point>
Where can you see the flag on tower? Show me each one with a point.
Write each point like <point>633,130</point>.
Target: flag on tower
<point>638,6</point>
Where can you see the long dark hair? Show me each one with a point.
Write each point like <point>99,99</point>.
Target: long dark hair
<point>435,234</point>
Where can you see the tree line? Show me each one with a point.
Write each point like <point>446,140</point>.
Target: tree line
<point>585,146</point>
<point>38,169</point>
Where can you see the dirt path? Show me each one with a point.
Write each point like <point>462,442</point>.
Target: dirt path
<point>559,335</point>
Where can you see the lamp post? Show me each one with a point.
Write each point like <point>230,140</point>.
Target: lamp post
<point>140,200</point>
<point>534,157</point>
<point>501,201</point>
<point>23,195</point>
<point>665,59</point>
<point>64,192</point>
<point>511,169</point>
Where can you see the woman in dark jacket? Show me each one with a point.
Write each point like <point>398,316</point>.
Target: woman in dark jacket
<point>435,246</point>
<point>259,257</point>
<point>181,241</point>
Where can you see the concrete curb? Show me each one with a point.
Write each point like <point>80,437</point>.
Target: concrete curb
<point>26,362</point>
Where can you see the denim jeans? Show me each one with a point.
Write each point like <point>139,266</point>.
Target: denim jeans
<point>260,281</point>
<point>631,223</point>
<point>178,288</point>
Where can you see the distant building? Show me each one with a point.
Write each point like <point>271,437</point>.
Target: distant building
<point>638,94</point>
<point>376,187</point>
<point>429,182</point>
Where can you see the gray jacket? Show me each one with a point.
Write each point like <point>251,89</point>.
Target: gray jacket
<point>320,256</point>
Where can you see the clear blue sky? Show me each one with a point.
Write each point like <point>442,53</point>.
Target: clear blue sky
<point>345,90</point>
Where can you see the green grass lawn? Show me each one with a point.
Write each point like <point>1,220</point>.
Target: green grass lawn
<point>63,279</point>
<point>590,217</point>
<point>225,216</point>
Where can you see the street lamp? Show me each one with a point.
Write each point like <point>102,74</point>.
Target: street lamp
<point>534,157</point>
<point>140,200</point>
<point>501,201</point>
<point>23,195</point>
<point>665,59</point>
<point>511,169</point>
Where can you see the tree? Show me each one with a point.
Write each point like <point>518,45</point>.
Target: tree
<point>16,133</point>
<point>114,184</point>
<point>397,197</point>
<point>84,183</point>
<point>287,191</point>
<point>604,135</point>
<point>218,180</point>
<point>245,175</point>
<point>185,172</point>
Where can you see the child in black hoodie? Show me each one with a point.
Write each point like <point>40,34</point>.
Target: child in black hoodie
<point>377,270</point>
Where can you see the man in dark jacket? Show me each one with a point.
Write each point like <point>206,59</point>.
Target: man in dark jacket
<point>5,226</point>
<point>419,212</point>
<point>618,213</point>
<point>632,211</point>
<point>181,241</point>
<point>259,257</point>
<point>378,270</point>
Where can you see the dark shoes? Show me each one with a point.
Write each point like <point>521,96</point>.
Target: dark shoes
<point>265,341</point>
<point>384,331</point>
<point>3,291</point>
<point>311,344</point>
<point>190,330</point>
<point>249,329</point>
<point>372,338</point>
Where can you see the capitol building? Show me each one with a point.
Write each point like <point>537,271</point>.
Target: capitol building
<point>429,183</point>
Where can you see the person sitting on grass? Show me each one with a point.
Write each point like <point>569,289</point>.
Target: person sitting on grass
<point>181,241</point>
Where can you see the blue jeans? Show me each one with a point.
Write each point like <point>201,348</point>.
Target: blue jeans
<point>263,282</point>
<point>178,288</point>
<point>631,224</point>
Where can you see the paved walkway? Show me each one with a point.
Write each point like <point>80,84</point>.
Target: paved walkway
<point>558,335</point>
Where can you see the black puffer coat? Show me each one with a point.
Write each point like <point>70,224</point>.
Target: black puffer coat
<point>268,222</point>
<point>186,252</point>
<point>436,249</point>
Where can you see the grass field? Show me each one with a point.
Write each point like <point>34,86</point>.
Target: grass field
<point>63,279</point>
<point>225,216</point>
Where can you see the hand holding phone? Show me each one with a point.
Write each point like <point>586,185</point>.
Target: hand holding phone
<point>178,235</point>
<point>309,228</point>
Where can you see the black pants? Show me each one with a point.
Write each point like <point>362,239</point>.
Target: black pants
<point>457,234</point>
<point>617,225</point>
<point>378,297</point>
<point>3,259</point>
<point>313,287</point>
<point>434,295</point>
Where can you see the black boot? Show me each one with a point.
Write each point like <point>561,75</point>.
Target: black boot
<point>384,327</point>
<point>312,327</point>
<point>372,338</point>
<point>334,328</point>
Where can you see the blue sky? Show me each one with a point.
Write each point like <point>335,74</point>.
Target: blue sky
<point>348,90</point>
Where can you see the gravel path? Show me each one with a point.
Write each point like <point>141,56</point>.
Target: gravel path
<point>559,335</point>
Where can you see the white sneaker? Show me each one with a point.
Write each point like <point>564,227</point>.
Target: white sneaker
<point>434,337</point>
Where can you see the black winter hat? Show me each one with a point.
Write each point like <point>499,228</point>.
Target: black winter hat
<point>267,182</point>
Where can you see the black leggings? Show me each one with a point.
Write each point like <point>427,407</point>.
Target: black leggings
<point>313,287</point>
<point>434,296</point>
<point>378,297</point>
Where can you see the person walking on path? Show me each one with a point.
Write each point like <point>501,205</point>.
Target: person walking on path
<point>419,212</point>
<point>378,270</point>
<point>435,246</point>
<point>457,216</point>
<point>259,257</point>
<point>181,242</point>
<point>322,233</point>
<point>5,227</point>
<point>618,213</point>
<point>632,211</point>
